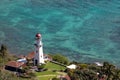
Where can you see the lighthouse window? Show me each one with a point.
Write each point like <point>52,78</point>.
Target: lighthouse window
<point>36,51</point>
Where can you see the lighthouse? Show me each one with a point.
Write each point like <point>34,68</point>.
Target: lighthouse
<point>38,58</point>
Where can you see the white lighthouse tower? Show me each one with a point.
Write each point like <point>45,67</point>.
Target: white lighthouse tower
<point>38,58</point>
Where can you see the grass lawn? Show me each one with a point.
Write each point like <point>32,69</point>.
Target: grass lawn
<point>53,66</point>
<point>47,75</point>
<point>46,78</point>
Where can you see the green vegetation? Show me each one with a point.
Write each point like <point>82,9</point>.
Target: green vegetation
<point>3,51</point>
<point>46,73</point>
<point>83,66</point>
<point>3,55</point>
<point>52,66</point>
<point>53,71</point>
<point>82,72</point>
<point>60,58</point>
<point>93,72</point>
<point>55,78</point>
<point>46,78</point>
<point>7,75</point>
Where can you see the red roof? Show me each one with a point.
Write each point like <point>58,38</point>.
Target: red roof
<point>31,55</point>
<point>38,35</point>
<point>15,64</point>
<point>67,77</point>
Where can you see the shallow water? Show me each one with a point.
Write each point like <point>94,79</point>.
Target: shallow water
<point>83,30</point>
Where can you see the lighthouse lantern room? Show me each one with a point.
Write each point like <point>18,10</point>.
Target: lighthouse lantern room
<point>38,58</point>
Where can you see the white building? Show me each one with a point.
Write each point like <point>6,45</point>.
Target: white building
<point>38,58</point>
<point>98,64</point>
<point>72,66</point>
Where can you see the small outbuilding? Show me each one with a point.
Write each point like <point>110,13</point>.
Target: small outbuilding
<point>15,66</point>
<point>72,66</point>
<point>98,63</point>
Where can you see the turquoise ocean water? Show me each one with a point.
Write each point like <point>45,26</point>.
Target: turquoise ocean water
<point>83,30</point>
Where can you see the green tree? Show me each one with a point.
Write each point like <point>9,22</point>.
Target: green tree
<point>41,66</point>
<point>109,70</point>
<point>55,78</point>
<point>60,58</point>
<point>3,51</point>
<point>117,75</point>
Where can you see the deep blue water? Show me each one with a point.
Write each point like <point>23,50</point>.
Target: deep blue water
<point>83,30</point>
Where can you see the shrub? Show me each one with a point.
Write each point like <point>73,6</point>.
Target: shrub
<point>55,79</point>
<point>54,70</point>
<point>83,66</point>
<point>41,66</point>
<point>60,58</point>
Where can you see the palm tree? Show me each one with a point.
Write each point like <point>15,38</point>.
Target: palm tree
<point>108,69</point>
<point>117,75</point>
<point>3,50</point>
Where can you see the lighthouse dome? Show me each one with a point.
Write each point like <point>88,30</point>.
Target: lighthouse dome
<point>38,35</point>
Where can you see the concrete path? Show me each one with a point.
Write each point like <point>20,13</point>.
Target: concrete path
<point>46,75</point>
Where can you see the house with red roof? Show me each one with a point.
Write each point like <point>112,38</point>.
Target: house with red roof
<point>15,66</point>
